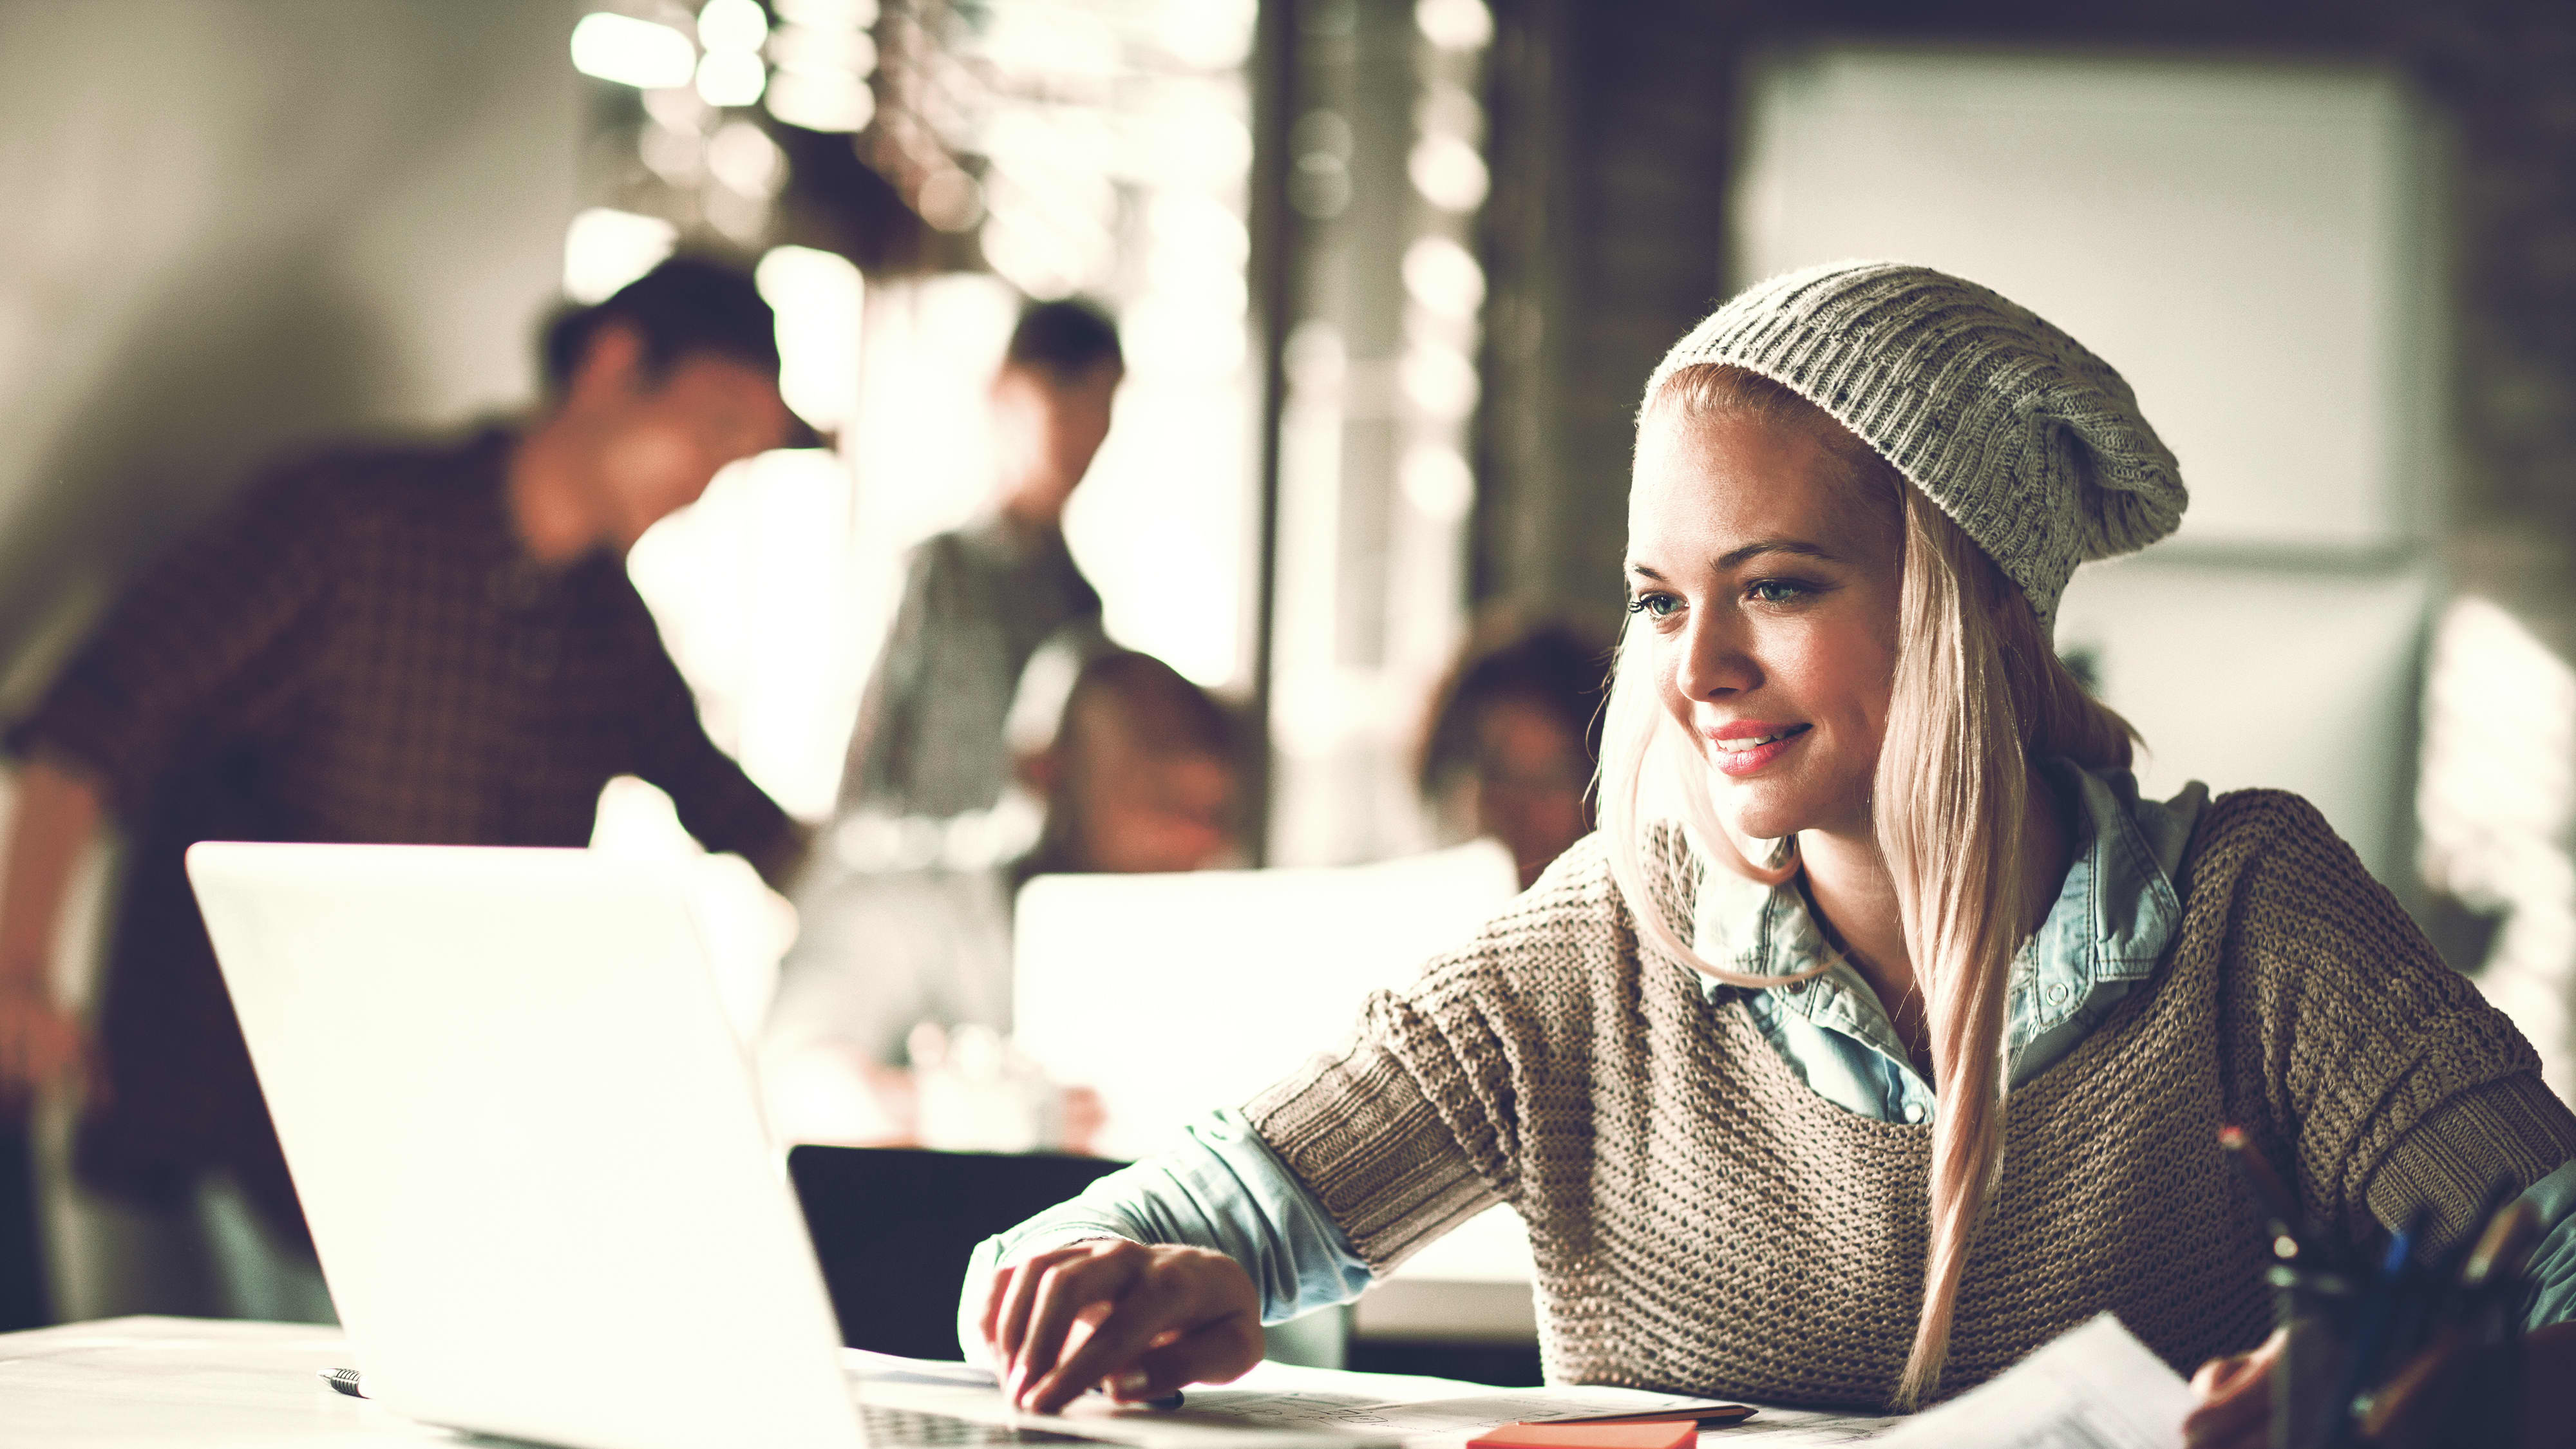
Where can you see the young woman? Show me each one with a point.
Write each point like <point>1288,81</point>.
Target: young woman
<point>1882,1032</point>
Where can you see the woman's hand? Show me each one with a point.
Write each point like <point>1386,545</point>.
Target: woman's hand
<point>2235,1393</point>
<point>1151,1319</point>
<point>2235,1410</point>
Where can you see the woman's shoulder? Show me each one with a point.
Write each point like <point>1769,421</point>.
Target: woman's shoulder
<point>1573,928</point>
<point>2299,920</point>
<point>2253,849</point>
<point>1580,890</point>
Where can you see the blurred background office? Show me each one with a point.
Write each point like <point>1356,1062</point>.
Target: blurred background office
<point>1387,276</point>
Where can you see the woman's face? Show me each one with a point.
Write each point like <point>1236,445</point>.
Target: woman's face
<point>1764,575</point>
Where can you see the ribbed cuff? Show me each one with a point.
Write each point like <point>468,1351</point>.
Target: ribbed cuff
<point>2512,1127</point>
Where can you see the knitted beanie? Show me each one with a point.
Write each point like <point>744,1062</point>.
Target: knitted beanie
<point>2031,444</point>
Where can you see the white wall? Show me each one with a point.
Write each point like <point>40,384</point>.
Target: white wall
<point>2244,242</point>
<point>233,224</point>
<point>2251,245</point>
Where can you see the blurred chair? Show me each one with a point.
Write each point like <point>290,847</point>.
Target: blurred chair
<point>893,1229</point>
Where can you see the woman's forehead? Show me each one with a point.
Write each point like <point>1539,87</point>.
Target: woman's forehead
<point>1714,482</point>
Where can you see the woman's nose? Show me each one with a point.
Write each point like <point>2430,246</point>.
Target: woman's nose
<point>1714,662</point>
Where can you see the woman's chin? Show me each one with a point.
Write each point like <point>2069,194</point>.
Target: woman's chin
<point>1756,811</point>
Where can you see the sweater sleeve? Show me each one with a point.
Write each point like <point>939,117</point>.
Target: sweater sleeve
<point>2396,1081</point>
<point>2511,1129</point>
<point>1415,1126</point>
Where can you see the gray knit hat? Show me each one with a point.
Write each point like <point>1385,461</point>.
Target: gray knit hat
<point>2031,444</point>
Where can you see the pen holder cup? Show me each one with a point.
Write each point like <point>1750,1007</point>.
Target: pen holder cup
<point>2454,1385</point>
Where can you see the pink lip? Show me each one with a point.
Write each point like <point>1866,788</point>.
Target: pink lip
<point>1738,763</point>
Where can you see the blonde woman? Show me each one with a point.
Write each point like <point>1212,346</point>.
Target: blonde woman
<point>1904,1047</point>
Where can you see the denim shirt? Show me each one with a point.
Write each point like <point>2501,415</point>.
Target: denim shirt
<point>1221,1187</point>
<point>2103,935</point>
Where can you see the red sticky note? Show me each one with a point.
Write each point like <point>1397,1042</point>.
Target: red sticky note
<point>1670,1434</point>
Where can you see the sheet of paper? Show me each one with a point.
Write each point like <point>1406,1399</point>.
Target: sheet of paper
<point>1428,1413</point>
<point>1799,1429</point>
<point>2096,1387</point>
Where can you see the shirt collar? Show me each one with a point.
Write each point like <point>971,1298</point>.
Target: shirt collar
<point>2110,923</point>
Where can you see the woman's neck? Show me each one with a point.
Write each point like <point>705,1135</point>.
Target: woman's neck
<point>1853,894</point>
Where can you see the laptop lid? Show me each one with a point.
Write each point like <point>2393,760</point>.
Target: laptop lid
<point>527,1144</point>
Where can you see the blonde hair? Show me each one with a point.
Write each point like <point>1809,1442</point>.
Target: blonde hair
<point>1977,693</point>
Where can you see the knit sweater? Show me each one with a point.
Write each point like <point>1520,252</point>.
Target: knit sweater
<point>1703,1222</point>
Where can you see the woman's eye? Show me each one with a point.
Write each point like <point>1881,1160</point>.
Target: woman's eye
<point>1654,606</point>
<point>1777,591</point>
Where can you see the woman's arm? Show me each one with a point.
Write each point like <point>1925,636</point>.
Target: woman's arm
<point>1408,1131</point>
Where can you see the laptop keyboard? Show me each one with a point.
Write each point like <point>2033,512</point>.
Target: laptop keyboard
<point>911,1427</point>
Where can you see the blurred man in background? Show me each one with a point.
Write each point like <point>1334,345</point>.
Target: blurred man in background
<point>1514,737</point>
<point>979,601</point>
<point>430,644</point>
<point>1139,776</point>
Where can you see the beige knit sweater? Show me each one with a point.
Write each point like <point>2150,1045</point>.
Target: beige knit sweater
<point>1705,1222</point>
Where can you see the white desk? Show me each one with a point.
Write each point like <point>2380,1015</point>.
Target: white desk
<point>137,1382</point>
<point>142,1383</point>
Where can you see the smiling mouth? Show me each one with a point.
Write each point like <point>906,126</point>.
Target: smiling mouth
<point>1742,744</point>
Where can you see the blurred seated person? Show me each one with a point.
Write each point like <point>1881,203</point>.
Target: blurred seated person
<point>394,642</point>
<point>978,601</point>
<point>899,968</point>
<point>1514,734</point>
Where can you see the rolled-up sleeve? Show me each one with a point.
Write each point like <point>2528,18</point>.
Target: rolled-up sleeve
<point>1220,1188</point>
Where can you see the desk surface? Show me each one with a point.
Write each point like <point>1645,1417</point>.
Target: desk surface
<point>135,1382</point>
<point>141,1383</point>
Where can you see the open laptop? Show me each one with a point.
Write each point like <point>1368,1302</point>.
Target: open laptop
<point>533,1161</point>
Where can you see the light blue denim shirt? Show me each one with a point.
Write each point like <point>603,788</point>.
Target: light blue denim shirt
<point>2102,936</point>
<point>1222,1187</point>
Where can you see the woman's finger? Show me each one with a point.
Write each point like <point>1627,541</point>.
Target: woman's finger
<point>1195,1306</point>
<point>1064,1292</point>
<point>1150,1310</point>
<point>1014,1290</point>
<point>997,1288</point>
<point>2236,1401</point>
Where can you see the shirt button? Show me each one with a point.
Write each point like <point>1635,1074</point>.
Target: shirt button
<point>2057,993</point>
<point>1914,1112</point>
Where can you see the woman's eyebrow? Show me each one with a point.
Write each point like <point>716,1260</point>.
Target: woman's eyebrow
<point>1735,558</point>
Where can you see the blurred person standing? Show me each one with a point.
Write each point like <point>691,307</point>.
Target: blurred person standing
<point>1139,776</point>
<point>404,643</point>
<point>1513,737</point>
<point>978,601</point>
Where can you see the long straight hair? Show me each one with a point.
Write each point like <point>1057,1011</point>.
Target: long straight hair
<point>1976,693</point>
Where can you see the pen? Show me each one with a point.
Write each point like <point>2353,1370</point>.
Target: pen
<point>347,1381</point>
<point>2503,1246</point>
<point>1171,1400</point>
<point>2377,1307</point>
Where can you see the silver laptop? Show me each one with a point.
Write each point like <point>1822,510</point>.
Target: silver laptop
<point>533,1160</point>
